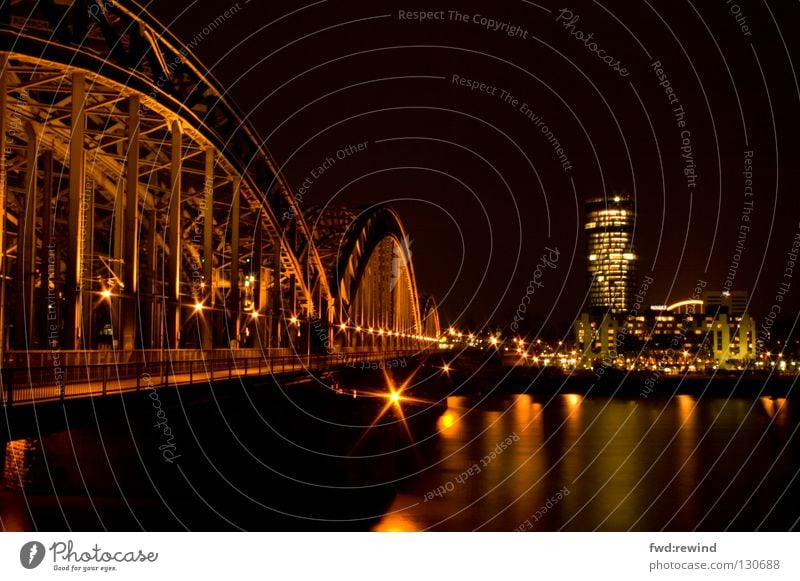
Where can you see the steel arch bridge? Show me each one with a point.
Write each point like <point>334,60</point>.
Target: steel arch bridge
<point>367,254</point>
<point>139,209</point>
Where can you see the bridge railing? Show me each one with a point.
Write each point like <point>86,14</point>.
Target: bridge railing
<point>23,386</point>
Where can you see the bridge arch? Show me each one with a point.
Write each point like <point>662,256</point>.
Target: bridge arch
<point>135,196</point>
<point>371,275</point>
<point>430,317</point>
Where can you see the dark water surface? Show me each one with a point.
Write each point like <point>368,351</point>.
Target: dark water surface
<point>303,462</point>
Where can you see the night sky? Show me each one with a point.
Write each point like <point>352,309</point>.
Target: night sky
<point>479,186</point>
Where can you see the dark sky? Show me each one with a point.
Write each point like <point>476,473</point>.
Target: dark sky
<point>479,187</point>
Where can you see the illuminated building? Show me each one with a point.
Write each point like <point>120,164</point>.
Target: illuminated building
<point>733,303</point>
<point>611,257</point>
<point>688,335</point>
<point>716,325</point>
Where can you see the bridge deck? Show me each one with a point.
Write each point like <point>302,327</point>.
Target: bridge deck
<point>25,386</point>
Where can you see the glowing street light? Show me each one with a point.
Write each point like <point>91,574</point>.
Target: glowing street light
<point>106,294</point>
<point>198,307</point>
<point>293,320</point>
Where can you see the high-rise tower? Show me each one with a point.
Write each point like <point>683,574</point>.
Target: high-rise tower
<point>611,257</point>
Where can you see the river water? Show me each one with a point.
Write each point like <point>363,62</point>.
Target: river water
<point>502,463</point>
<point>582,464</point>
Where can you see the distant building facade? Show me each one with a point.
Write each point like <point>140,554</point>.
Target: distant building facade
<point>714,332</point>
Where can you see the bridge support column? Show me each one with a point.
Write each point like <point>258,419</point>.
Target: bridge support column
<point>172,284</point>
<point>256,259</point>
<point>87,297</point>
<point>130,223</point>
<point>3,195</point>
<point>276,314</point>
<point>155,310</point>
<point>48,303</point>
<point>234,318</point>
<point>206,316</point>
<point>26,246</point>
<point>74,280</point>
<point>293,334</point>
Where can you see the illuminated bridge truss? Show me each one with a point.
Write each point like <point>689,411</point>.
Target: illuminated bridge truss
<point>367,255</point>
<point>139,208</point>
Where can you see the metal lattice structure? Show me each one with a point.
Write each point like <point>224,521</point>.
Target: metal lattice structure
<point>367,256</point>
<point>137,203</point>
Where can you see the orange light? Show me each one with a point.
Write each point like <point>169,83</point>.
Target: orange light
<point>254,314</point>
<point>343,326</point>
<point>447,420</point>
<point>198,307</point>
<point>293,320</point>
<point>106,294</point>
<point>446,368</point>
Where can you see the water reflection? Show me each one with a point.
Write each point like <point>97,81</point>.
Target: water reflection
<point>675,464</point>
<point>398,522</point>
<point>495,463</point>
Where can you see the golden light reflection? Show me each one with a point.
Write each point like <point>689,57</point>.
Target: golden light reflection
<point>522,409</point>
<point>768,404</point>
<point>686,407</point>
<point>574,408</point>
<point>447,420</point>
<point>781,411</point>
<point>777,408</point>
<point>573,400</point>
<point>448,424</point>
<point>397,522</point>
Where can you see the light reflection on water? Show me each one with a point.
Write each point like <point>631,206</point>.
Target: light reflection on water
<point>675,464</point>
